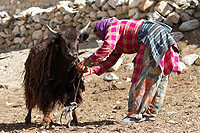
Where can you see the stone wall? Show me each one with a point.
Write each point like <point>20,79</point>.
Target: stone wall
<point>27,28</point>
<point>11,6</point>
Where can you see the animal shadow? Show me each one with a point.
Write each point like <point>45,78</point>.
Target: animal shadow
<point>9,127</point>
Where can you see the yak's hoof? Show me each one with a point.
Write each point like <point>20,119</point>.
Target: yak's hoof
<point>45,126</point>
<point>28,120</point>
<point>74,123</point>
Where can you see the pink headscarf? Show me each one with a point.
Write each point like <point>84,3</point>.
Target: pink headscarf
<point>102,25</point>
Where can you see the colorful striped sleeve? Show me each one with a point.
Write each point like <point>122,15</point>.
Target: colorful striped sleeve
<point>109,44</point>
<point>108,63</point>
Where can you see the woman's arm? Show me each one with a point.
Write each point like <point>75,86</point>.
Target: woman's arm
<point>108,63</point>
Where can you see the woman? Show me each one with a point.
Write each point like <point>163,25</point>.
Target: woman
<point>157,56</point>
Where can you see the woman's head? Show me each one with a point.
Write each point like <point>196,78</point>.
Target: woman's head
<point>101,27</point>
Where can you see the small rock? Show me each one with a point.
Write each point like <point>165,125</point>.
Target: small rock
<point>172,122</point>
<point>128,79</point>
<point>177,36</point>
<point>190,59</point>
<point>197,62</point>
<point>128,66</point>
<point>110,77</point>
<point>182,66</point>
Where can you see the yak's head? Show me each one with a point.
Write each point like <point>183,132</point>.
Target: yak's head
<point>69,40</point>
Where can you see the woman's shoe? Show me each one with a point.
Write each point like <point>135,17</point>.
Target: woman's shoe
<point>128,119</point>
<point>150,119</point>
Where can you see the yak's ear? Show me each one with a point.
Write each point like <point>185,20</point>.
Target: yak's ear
<point>83,37</point>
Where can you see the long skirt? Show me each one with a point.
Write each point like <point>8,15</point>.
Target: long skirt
<point>147,95</point>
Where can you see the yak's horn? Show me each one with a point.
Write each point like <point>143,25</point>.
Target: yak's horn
<point>85,28</point>
<point>53,31</point>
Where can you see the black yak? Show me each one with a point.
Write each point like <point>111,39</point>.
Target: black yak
<point>51,76</point>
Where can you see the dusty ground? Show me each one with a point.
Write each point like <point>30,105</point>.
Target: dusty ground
<point>104,107</point>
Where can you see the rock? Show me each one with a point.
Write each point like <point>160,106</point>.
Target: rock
<point>134,3</point>
<point>16,30</point>
<point>181,2</point>
<point>112,13</point>
<point>197,14</point>
<point>189,25</point>
<point>36,18</point>
<point>112,3</point>
<point>139,14</point>
<point>178,9</point>
<point>131,12</point>
<point>190,12</point>
<point>190,59</point>
<point>163,8</point>
<point>174,17</point>
<point>93,15</point>
<point>172,122</point>
<point>22,30</point>
<point>99,3</point>
<point>177,36</point>
<point>146,5</point>
<point>67,19</point>
<point>155,16</point>
<point>37,26</point>
<point>37,35</point>
<point>28,39</point>
<point>20,23</point>
<point>102,14</point>
<point>45,34</point>
<point>110,77</point>
<point>128,66</point>
<point>117,65</point>
<point>197,62</point>
<point>1,40</point>
<point>182,66</point>
<point>128,79</point>
<point>185,17</point>
<point>168,22</point>
<point>17,40</point>
<point>59,16</point>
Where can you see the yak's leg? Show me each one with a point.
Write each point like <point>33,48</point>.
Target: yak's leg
<point>28,117</point>
<point>75,120</point>
<point>47,116</point>
<point>46,120</point>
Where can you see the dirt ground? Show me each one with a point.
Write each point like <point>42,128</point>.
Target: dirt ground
<point>104,105</point>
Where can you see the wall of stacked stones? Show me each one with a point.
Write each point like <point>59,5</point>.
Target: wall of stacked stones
<point>11,6</point>
<point>26,28</point>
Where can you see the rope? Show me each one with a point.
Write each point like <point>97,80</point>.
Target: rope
<point>69,109</point>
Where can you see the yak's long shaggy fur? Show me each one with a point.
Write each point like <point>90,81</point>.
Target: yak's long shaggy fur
<point>50,78</point>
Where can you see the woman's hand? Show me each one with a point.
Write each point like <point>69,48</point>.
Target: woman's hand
<point>83,67</point>
<point>88,71</point>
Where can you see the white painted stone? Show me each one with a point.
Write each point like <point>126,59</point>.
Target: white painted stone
<point>182,66</point>
<point>110,77</point>
<point>190,59</point>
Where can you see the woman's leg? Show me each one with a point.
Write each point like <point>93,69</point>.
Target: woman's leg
<point>157,102</point>
<point>142,94</point>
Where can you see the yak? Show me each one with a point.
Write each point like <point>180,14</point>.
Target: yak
<point>51,77</point>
